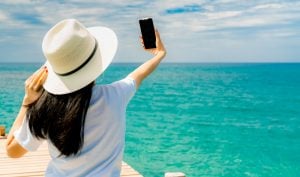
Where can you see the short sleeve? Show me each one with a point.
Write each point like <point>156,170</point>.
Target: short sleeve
<point>24,137</point>
<point>126,89</point>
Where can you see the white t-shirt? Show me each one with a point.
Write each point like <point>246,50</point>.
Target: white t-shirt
<point>104,135</point>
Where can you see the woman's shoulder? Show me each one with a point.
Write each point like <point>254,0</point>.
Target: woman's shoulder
<point>119,84</point>
<point>105,90</point>
<point>114,90</point>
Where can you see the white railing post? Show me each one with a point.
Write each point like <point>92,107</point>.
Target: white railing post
<point>2,130</point>
<point>174,174</point>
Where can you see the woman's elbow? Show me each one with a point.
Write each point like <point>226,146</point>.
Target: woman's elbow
<point>14,152</point>
<point>12,155</point>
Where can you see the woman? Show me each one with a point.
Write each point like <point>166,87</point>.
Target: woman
<point>83,123</point>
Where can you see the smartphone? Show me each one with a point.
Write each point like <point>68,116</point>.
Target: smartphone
<point>148,32</point>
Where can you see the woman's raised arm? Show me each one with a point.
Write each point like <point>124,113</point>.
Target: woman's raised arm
<point>149,66</point>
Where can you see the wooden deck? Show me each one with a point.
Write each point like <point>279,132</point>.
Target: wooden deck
<point>33,164</point>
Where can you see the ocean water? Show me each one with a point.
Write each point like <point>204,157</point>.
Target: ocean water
<point>200,119</point>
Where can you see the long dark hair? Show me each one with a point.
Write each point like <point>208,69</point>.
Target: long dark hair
<point>61,119</point>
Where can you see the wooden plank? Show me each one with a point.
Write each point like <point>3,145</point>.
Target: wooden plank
<point>35,163</point>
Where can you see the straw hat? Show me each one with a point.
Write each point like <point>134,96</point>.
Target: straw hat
<point>76,55</point>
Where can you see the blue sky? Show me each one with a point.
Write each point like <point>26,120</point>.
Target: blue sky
<point>193,30</point>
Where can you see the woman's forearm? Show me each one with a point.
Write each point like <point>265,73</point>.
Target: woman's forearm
<point>33,90</point>
<point>147,68</point>
<point>17,123</point>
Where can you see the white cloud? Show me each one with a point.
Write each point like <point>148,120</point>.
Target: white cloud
<point>277,33</point>
<point>269,6</point>
<point>16,2</point>
<point>89,15</point>
<point>228,1</point>
<point>3,17</point>
<point>222,15</point>
<point>214,19</point>
<point>251,16</point>
<point>246,23</point>
<point>166,4</point>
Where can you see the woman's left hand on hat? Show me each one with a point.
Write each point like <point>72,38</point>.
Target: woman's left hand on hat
<point>34,86</point>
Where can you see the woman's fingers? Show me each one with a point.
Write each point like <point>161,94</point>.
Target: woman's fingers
<point>39,80</point>
<point>35,82</point>
<point>33,86</point>
<point>28,80</point>
<point>157,35</point>
<point>142,41</point>
<point>159,44</point>
<point>43,78</point>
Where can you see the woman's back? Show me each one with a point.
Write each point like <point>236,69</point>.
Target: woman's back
<point>104,135</point>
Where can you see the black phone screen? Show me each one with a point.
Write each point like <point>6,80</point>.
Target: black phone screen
<point>148,33</point>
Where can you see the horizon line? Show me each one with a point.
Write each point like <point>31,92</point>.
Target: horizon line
<point>202,62</point>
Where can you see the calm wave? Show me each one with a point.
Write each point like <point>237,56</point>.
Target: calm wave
<point>201,119</point>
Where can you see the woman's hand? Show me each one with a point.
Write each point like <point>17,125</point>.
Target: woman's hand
<point>149,66</point>
<point>34,86</point>
<point>160,49</point>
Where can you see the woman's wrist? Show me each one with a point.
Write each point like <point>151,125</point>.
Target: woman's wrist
<point>161,53</point>
<point>26,102</point>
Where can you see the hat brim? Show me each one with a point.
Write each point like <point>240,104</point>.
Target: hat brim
<point>107,47</point>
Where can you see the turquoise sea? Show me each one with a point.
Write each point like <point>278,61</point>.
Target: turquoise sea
<point>200,119</point>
